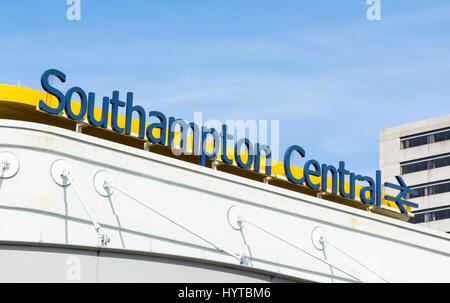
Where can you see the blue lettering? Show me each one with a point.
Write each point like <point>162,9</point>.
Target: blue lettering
<point>370,189</point>
<point>332,169</point>
<point>307,172</point>
<point>53,91</point>
<point>116,103</point>
<point>161,125</point>
<point>225,137</point>
<point>128,116</point>
<point>105,110</point>
<point>83,100</point>
<point>287,163</point>
<point>268,152</point>
<point>204,153</point>
<point>237,153</point>
<point>342,172</point>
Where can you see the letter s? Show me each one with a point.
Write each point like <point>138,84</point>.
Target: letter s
<point>53,91</point>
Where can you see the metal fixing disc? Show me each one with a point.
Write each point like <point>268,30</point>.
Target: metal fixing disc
<point>9,165</point>
<point>102,180</point>
<point>233,215</point>
<point>61,172</point>
<point>317,235</point>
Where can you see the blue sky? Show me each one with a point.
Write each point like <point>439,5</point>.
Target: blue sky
<point>331,77</point>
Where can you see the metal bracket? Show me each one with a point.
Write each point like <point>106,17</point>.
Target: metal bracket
<point>9,165</point>
<point>216,163</point>
<point>103,238</point>
<point>102,183</point>
<point>147,145</point>
<point>268,179</point>
<point>61,173</point>
<point>80,126</point>
<point>317,238</point>
<point>244,261</point>
<point>234,216</point>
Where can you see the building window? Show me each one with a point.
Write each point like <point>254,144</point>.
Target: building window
<point>425,164</point>
<point>429,215</point>
<point>430,189</point>
<point>441,136</point>
<point>426,138</point>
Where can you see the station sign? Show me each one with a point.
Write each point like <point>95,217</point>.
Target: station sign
<point>369,194</point>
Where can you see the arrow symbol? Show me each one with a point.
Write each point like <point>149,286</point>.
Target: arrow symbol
<point>399,199</point>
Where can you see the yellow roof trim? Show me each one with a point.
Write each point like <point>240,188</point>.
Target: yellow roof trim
<point>29,96</point>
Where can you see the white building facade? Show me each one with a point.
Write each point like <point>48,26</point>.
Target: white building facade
<point>83,204</point>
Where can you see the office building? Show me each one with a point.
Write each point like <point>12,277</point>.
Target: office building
<point>420,153</point>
